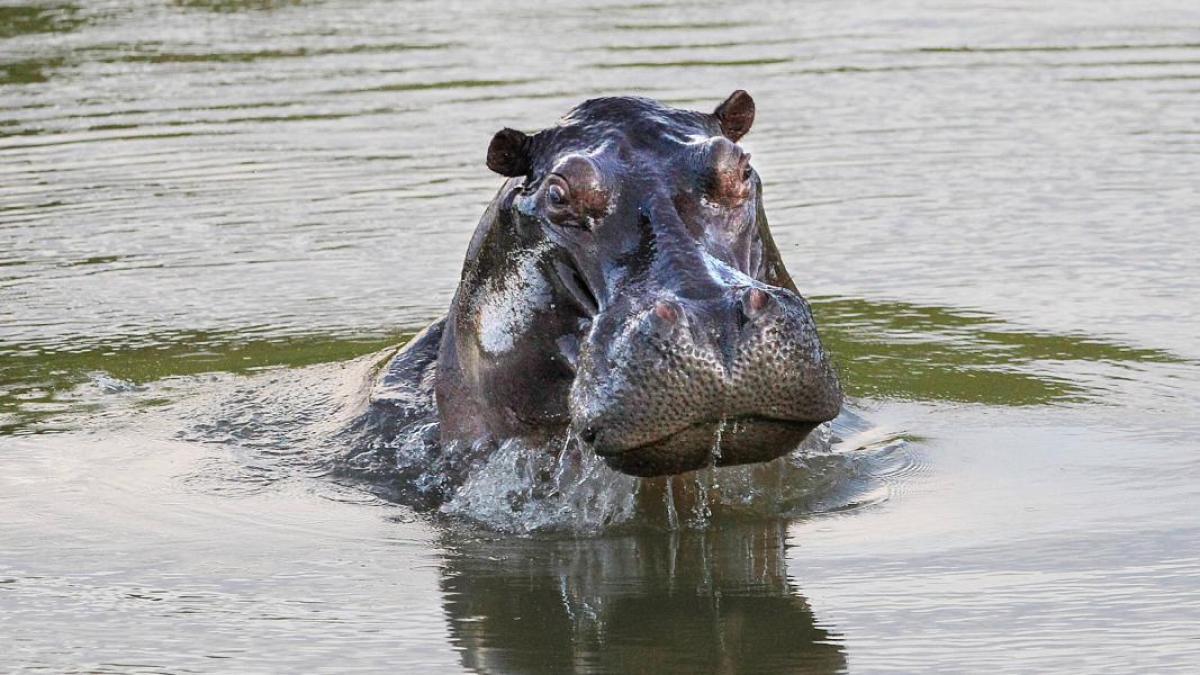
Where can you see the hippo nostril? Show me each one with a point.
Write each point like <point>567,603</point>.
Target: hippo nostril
<point>588,435</point>
<point>666,311</point>
<point>758,299</point>
<point>755,302</point>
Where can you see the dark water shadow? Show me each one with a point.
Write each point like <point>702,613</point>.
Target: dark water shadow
<point>694,601</point>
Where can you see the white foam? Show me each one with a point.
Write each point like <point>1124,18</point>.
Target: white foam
<point>522,489</point>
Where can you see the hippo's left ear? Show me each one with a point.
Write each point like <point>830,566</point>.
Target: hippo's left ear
<point>736,115</point>
<point>508,153</point>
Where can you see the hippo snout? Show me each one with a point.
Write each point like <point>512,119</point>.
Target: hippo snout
<point>683,382</point>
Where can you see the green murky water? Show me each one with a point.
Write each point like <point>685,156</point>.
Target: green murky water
<point>207,209</point>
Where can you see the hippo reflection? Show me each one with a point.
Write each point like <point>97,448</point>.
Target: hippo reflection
<point>623,290</point>
<point>697,601</point>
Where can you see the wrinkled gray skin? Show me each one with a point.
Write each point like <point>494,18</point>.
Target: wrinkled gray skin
<point>623,288</point>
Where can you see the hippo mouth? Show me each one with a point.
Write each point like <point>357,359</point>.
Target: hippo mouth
<point>736,440</point>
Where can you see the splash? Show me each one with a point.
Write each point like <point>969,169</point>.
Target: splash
<point>526,489</point>
<point>308,424</point>
<point>521,488</point>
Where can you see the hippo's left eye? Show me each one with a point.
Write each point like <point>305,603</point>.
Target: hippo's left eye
<point>572,195</point>
<point>559,202</point>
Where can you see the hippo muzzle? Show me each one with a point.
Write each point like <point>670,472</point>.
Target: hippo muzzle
<point>733,377</point>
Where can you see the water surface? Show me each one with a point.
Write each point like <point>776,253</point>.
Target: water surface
<point>212,214</point>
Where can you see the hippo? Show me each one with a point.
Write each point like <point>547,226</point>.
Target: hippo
<point>622,292</point>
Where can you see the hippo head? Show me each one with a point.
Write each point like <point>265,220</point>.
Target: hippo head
<point>623,288</point>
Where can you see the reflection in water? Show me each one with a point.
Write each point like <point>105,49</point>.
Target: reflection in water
<point>715,600</point>
<point>27,72</point>
<point>39,388</point>
<point>235,5</point>
<point>883,349</point>
<point>921,352</point>
<point>50,18</point>
<point>17,21</point>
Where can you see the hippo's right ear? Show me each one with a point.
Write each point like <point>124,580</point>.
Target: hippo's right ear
<point>508,153</point>
<point>736,115</point>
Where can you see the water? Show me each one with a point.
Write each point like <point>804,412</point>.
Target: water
<point>213,213</point>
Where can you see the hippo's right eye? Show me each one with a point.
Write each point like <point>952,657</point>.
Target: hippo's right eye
<point>727,175</point>
<point>557,195</point>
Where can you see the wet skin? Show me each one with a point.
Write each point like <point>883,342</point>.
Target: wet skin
<point>623,289</point>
